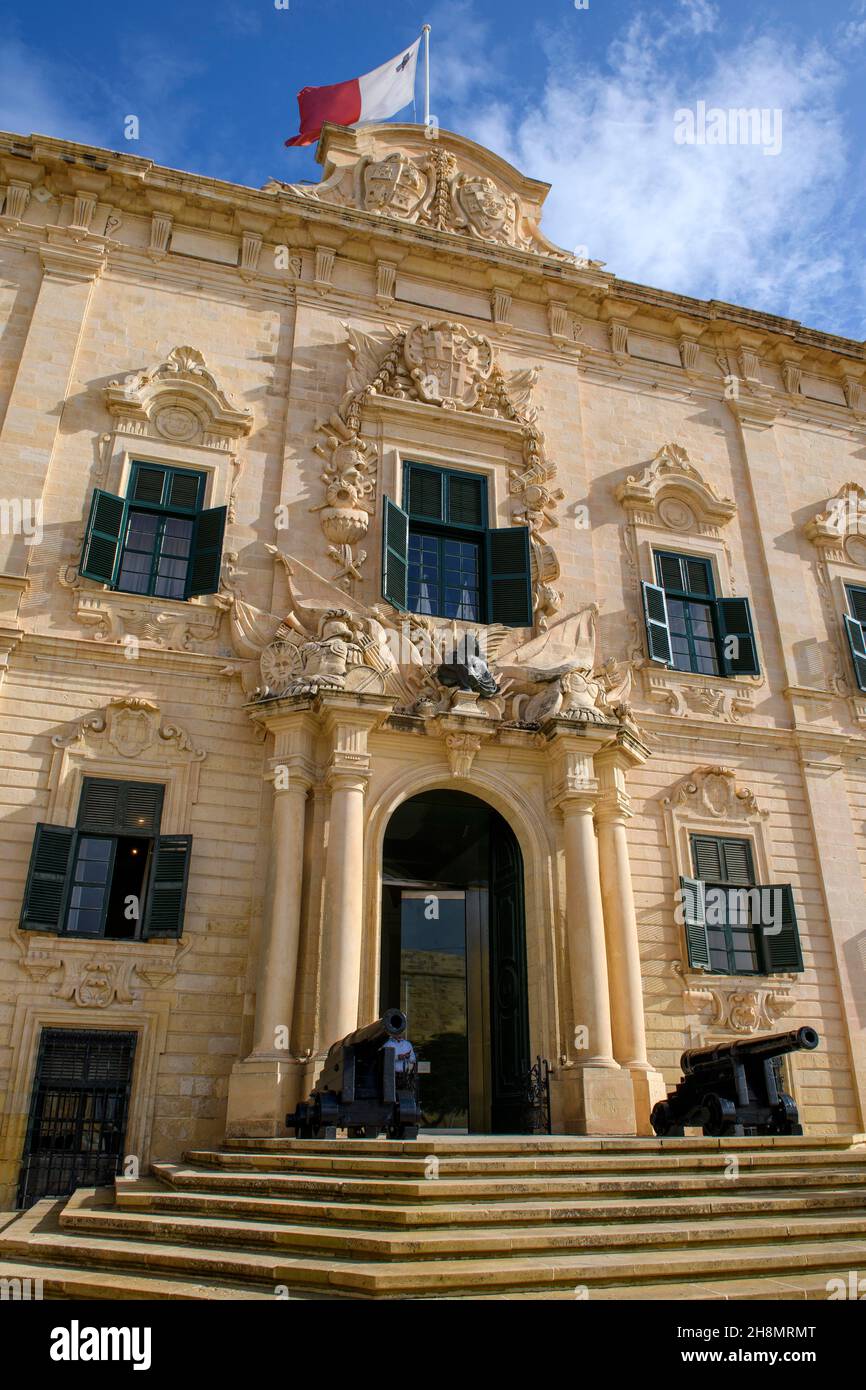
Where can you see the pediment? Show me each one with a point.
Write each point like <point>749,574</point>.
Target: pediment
<point>446,183</point>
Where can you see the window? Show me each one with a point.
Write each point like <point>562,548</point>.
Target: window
<point>113,875</point>
<point>157,540</point>
<point>441,558</point>
<point>855,630</point>
<point>735,926</point>
<point>689,628</point>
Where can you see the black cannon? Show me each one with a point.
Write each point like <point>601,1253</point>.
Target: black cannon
<point>364,1087</point>
<point>734,1088</point>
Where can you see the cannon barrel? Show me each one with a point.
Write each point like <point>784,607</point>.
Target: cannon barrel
<point>775,1045</point>
<point>392,1022</point>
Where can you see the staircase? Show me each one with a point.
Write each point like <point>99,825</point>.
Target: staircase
<point>479,1218</point>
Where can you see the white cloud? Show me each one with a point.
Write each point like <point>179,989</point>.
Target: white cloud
<point>724,222</point>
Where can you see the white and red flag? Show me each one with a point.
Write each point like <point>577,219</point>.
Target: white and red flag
<point>373,97</point>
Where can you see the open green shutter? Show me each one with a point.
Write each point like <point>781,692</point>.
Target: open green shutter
<point>48,878</point>
<point>658,636</point>
<point>694,921</point>
<point>395,555</point>
<point>781,949</point>
<point>735,620</point>
<point>509,576</point>
<point>856,635</point>
<point>102,540</point>
<point>166,894</point>
<point>207,552</point>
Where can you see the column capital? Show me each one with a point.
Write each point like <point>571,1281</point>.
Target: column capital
<point>613,806</point>
<point>292,773</point>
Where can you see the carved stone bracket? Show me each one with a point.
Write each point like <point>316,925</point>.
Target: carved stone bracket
<point>839,532</point>
<point>684,695</point>
<point>97,974</point>
<point>736,1004</point>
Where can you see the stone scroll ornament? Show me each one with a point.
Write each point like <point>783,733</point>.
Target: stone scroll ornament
<point>445,365</point>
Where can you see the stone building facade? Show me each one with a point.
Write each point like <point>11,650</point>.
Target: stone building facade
<point>320,502</point>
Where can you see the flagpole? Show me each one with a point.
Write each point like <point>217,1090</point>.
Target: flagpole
<point>426,32</point>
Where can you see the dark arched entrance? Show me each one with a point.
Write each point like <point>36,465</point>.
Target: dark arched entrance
<point>454,957</point>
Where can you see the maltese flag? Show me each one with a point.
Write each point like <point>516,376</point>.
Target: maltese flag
<point>374,97</point>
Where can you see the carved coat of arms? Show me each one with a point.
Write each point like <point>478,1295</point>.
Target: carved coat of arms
<point>394,185</point>
<point>448,364</point>
<point>490,213</point>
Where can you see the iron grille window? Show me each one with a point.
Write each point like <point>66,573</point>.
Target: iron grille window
<point>78,1112</point>
<point>112,875</point>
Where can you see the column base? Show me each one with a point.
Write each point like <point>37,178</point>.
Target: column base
<point>262,1090</point>
<point>648,1086</point>
<point>594,1100</point>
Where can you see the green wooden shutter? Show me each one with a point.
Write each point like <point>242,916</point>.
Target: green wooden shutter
<point>425,493</point>
<point>857,603</point>
<point>466,495</point>
<point>183,490</point>
<point>669,572</point>
<point>782,950</point>
<point>856,635</point>
<point>735,620</point>
<point>697,944</point>
<point>48,878</point>
<point>106,526</point>
<point>707,858</point>
<point>207,551</point>
<point>395,555</point>
<point>120,808</point>
<point>698,576</point>
<point>147,483</point>
<point>166,893</point>
<point>509,576</point>
<point>655,610</point>
<point>737,859</point>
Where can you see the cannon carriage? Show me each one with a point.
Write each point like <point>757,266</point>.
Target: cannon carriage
<point>734,1088</point>
<point>363,1088</point>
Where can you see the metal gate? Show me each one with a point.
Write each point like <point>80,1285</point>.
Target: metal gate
<point>78,1112</point>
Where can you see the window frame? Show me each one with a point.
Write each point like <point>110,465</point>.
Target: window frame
<point>164,510</point>
<point>726,928</point>
<point>447,529</point>
<point>708,602</point>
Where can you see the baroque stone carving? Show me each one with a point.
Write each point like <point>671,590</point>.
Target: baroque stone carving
<point>714,791</point>
<point>95,975</point>
<point>131,725</point>
<point>114,616</point>
<point>440,363</point>
<point>438,185</point>
<point>178,399</point>
<point>672,492</point>
<point>839,532</point>
<point>733,1004</point>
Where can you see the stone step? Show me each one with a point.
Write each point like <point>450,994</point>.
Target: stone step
<point>148,1194</point>
<point>64,1282</point>
<point>83,1213</point>
<point>479,1145</point>
<point>430,1279</point>
<point>218,1179</point>
<point>486,1166</point>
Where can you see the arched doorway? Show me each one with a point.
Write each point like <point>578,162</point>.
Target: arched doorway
<point>454,957</point>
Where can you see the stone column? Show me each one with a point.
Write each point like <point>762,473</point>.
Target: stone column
<point>595,1093</point>
<point>347,719</point>
<point>628,1025</point>
<point>267,1083</point>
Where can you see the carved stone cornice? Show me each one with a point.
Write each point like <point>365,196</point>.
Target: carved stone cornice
<point>71,258</point>
<point>671,492</point>
<point>178,400</point>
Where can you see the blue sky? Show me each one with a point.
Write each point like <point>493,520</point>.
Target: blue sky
<point>582,98</point>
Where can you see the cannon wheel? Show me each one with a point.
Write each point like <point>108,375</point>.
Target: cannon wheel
<point>663,1123</point>
<point>720,1118</point>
